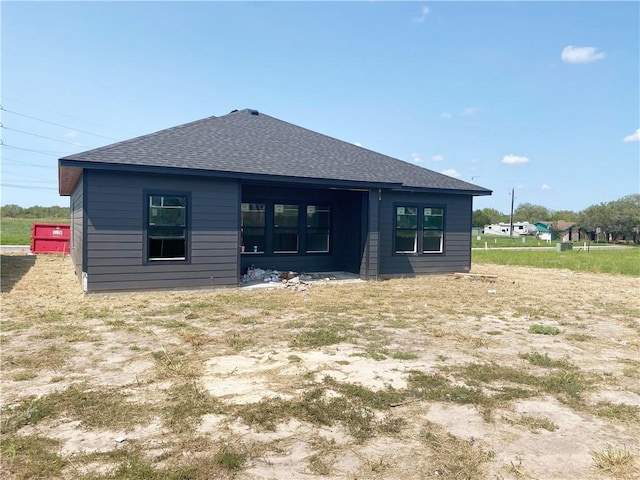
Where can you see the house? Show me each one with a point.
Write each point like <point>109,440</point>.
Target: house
<point>519,228</point>
<point>567,231</point>
<point>545,231</point>
<point>195,205</point>
<point>562,231</point>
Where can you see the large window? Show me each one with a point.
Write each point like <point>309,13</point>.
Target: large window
<point>433,230</point>
<point>167,228</point>
<point>406,229</point>
<point>317,234</point>
<point>285,228</point>
<point>253,228</point>
<point>412,220</point>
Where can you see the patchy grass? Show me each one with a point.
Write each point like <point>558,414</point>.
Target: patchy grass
<point>93,408</point>
<point>329,381</point>
<point>615,461</point>
<point>31,457</point>
<point>453,458</point>
<point>543,329</point>
<point>535,424</point>
<point>540,360</point>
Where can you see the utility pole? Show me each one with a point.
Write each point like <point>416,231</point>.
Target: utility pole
<point>511,215</point>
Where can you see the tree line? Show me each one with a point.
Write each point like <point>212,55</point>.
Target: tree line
<point>16,211</point>
<point>614,220</point>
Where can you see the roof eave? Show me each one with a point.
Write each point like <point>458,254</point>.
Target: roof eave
<point>67,165</point>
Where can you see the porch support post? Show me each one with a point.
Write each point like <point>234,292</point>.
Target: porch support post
<point>371,254</point>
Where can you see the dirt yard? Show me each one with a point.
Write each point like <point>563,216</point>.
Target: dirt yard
<point>531,374</point>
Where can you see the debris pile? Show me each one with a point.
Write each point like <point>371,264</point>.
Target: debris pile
<point>293,280</point>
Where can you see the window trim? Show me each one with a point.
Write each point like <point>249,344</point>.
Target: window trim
<point>420,228</point>
<point>146,195</point>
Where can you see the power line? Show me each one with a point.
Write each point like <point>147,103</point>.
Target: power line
<point>22,175</point>
<point>56,124</point>
<point>42,136</point>
<point>2,144</point>
<point>27,187</point>
<point>25,164</point>
<point>65,115</point>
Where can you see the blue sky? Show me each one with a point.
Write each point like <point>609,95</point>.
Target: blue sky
<point>542,97</point>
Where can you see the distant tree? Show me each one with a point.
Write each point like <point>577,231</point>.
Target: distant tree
<point>528,212</point>
<point>625,217</point>
<point>615,219</point>
<point>16,211</point>
<point>486,216</point>
<point>566,215</point>
<point>11,211</point>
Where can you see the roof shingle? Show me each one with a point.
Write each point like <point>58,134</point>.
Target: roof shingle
<point>248,142</point>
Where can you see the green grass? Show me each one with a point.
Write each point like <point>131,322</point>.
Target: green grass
<point>624,261</point>
<point>494,241</point>
<point>17,231</point>
<point>543,329</point>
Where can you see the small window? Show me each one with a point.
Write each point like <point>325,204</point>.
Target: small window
<point>254,238</point>
<point>285,228</point>
<point>167,228</point>
<point>318,229</point>
<point>406,229</point>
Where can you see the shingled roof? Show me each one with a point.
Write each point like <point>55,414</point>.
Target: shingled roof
<point>247,144</point>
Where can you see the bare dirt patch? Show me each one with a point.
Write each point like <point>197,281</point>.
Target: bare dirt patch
<point>433,377</point>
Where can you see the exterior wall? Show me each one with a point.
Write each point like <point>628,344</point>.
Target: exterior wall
<point>369,264</point>
<point>115,233</point>
<point>344,249</point>
<point>456,255</point>
<point>77,227</point>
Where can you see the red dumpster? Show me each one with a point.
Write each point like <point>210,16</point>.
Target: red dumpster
<point>50,238</point>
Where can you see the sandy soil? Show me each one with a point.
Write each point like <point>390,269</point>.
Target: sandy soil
<point>109,341</point>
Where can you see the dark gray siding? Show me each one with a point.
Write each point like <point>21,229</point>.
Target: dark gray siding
<point>77,226</point>
<point>457,238</point>
<point>115,233</point>
<point>370,260</point>
<point>345,244</point>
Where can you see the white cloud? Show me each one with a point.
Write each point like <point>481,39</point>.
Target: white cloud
<point>634,137</point>
<point>514,160</point>
<point>358,144</point>
<point>452,173</point>
<point>423,15</point>
<point>573,54</point>
<point>545,187</point>
<point>445,115</point>
<point>437,158</point>
<point>415,158</point>
<point>469,111</point>
<point>70,134</point>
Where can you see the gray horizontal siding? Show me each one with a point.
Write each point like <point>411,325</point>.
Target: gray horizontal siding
<point>457,239</point>
<point>111,285</point>
<point>116,239</point>
<point>77,227</point>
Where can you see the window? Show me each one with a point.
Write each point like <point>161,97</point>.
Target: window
<point>252,220</point>
<point>317,234</point>
<point>285,228</point>
<point>406,229</point>
<point>433,230</point>
<point>412,220</point>
<point>167,228</point>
